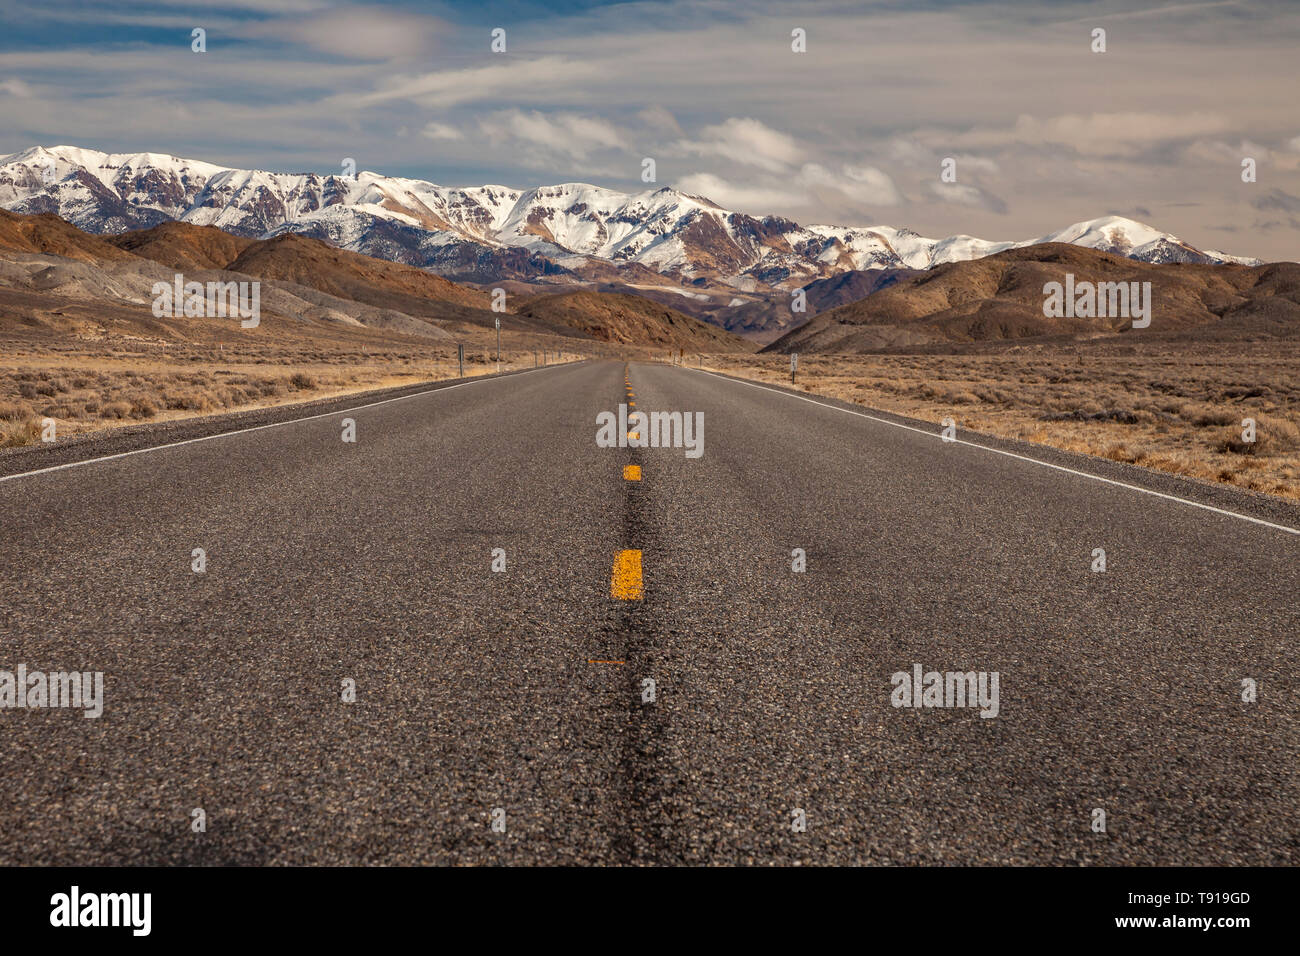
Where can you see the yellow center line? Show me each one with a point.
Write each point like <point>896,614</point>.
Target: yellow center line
<point>625,581</point>
<point>592,660</point>
<point>631,472</point>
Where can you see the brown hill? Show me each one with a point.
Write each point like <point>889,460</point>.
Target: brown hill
<point>628,319</point>
<point>1002,297</point>
<point>307,262</point>
<point>181,245</point>
<point>48,234</point>
<point>303,280</point>
<point>350,275</point>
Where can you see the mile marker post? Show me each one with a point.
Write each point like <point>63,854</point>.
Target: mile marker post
<point>460,355</point>
<point>794,364</point>
<point>498,324</point>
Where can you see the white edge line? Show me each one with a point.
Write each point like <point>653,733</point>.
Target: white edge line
<point>258,428</point>
<point>1009,454</point>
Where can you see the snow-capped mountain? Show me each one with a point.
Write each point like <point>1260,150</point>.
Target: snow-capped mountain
<point>492,232</point>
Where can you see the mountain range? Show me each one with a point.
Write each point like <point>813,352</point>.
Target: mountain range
<point>731,268</point>
<point>998,301</point>
<point>60,284</point>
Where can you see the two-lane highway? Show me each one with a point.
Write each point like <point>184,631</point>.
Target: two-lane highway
<point>524,689</point>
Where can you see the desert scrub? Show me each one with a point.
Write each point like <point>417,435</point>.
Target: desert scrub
<point>1273,436</point>
<point>14,412</point>
<point>13,434</point>
<point>1205,416</point>
<point>302,381</point>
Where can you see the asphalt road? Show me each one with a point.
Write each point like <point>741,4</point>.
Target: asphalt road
<point>371,561</point>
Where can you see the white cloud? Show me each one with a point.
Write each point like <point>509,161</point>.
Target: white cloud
<point>659,119</point>
<point>857,187</point>
<point>15,87</point>
<point>965,194</point>
<point>355,32</point>
<point>567,135</point>
<point>535,81</point>
<point>980,164</point>
<point>746,141</point>
<point>1221,153</point>
<point>1102,134</point>
<point>852,190</point>
<point>441,131</point>
<point>758,200</point>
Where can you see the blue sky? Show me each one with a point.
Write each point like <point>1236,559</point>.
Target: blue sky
<point>1044,131</point>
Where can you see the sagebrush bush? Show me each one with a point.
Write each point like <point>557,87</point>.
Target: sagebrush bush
<point>14,411</point>
<point>1273,436</point>
<point>19,433</point>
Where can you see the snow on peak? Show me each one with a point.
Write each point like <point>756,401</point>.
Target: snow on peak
<point>660,228</point>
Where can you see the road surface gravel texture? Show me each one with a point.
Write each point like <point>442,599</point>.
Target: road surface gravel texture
<point>524,689</point>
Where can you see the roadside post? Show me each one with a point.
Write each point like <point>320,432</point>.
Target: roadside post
<point>794,364</point>
<point>498,324</point>
<point>460,357</point>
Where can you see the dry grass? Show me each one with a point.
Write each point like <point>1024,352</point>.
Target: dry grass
<point>1179,409</point>
<point>87,387</point>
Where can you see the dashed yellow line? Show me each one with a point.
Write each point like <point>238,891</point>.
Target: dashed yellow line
<point>625,581</point>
